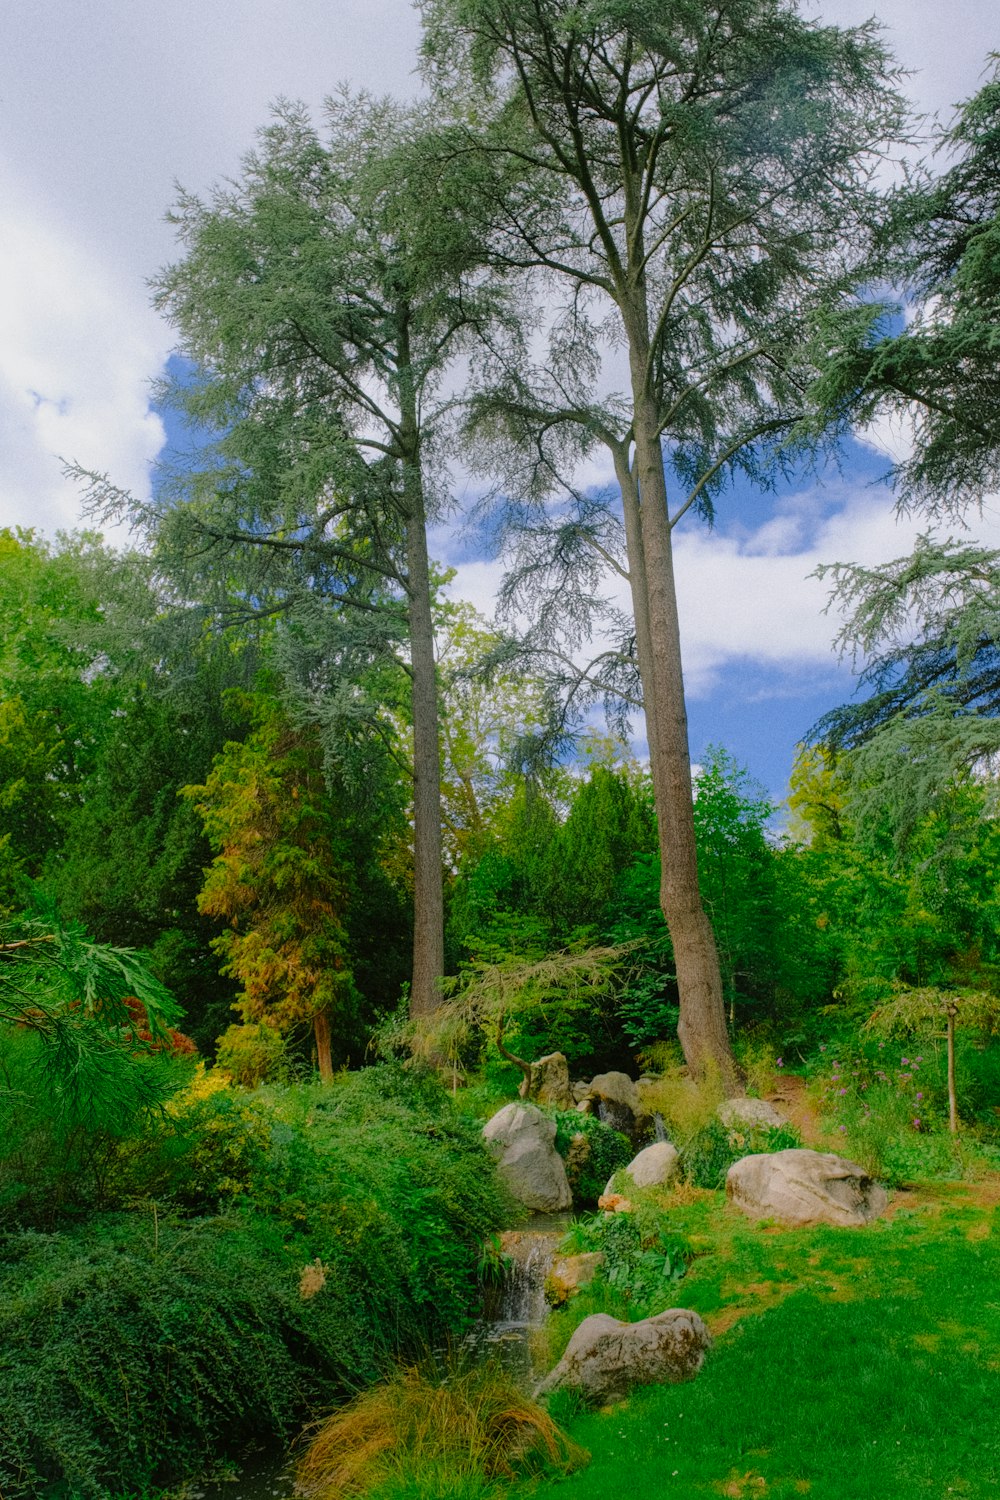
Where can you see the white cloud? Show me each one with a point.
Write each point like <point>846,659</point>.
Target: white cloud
<point>76,356</point>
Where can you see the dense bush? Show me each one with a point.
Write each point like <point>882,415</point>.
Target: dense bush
<point>606,1151</point>
<point>326,1230</point>
<point>65,1150</point>
<point>708,1156</point>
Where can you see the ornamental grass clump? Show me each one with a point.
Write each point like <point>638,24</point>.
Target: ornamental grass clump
<point>419,1427</point>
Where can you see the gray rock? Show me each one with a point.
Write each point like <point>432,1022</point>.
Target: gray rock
<point>521,1140</point>
<point>656,1165</point>
<point>605,1359</point>
<point>549,1083</point>
<point>581,1091</point>
<point>750,1112</point>
<point>805,1187</point>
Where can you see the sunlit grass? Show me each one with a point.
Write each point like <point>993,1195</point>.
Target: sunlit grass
<point>848,1365</point>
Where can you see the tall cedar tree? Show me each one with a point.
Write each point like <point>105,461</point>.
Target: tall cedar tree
<point>321,298</point>
<point>696,178</point>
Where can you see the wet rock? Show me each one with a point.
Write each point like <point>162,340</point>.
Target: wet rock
<point>569,1273</point>
<point>615,1100</point>
<point>522,1142</point>
<point>751,1113</point>
<point>605,1359</point>
<point>805,1187</point>
<point>549,1083</point>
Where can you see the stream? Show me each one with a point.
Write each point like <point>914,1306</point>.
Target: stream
<point>513,1309</point>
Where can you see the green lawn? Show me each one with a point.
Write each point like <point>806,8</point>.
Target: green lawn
<point>848,1363</point>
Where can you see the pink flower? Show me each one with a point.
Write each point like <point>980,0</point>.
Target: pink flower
<point>780,1062</point>
<point>917,1124</point>
<point>842,1091</point>
<point>844,1129</point>
<point>918,1096</point>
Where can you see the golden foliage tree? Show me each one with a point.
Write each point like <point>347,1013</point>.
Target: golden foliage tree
<point>278,880</point>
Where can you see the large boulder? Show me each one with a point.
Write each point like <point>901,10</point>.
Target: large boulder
<point>605,1359</point>
<point>615,1100</point>
<point>752,1113</point>
<point>549,1082</point>
<point>568,1273</point>
<point>522,1142</point>
<point>805,1187</point>
<point>653,1167</point>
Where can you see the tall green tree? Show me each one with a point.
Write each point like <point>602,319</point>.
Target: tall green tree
<point>927,627</point>
<point>321,298</point>
<point>691,182</point>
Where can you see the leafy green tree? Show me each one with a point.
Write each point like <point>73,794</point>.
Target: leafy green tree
<point>736,869</point>
<point>58,692</point>
<point>940,371</point>
<point>321,299</point>
<point>693,182</point>
<point>927,626</point>
<point>609,822</point>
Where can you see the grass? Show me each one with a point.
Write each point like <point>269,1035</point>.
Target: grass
<point>848,1364</point>
<point>432,1433</point>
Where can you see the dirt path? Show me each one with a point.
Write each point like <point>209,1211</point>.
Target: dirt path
<point>788,1093</point>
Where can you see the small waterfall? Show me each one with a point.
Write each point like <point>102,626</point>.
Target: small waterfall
<point>618,1116</point>
<point>659,1129</point>
<point>516,1305</point>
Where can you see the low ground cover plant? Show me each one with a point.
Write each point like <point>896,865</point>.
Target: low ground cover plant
<point>301,1239</point>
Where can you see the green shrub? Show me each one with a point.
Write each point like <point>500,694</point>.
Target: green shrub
<point>135,1350</point>
<point>138,1345</point>
<point>643,1257</point>
<point>252,1054</point>
<point>63,1152</point>
<point>607,1150</point>
<point>708,1156</point>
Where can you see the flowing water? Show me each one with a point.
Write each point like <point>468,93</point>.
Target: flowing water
<point>515,1307</point>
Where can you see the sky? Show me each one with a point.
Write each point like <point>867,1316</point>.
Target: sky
<point>106,105</point>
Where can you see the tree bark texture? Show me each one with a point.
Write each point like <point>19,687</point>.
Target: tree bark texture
<point>702,1026</point>
<point>321,1036</point>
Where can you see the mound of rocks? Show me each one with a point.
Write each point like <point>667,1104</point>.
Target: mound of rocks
<point>522,1142</point>
<point>805,1187</point>
<point>605,1359</point>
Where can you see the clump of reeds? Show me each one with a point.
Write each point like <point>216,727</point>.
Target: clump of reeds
<point>472,1424</point>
